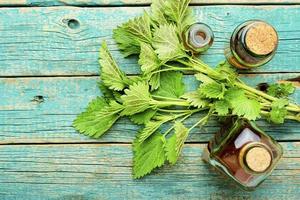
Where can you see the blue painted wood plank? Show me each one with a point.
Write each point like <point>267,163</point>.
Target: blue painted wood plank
<point>38,41</point>
<point>103,171</point>
<point>130,2</point>
<point>27,118</point>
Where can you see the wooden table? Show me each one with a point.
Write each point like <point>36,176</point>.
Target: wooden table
<point>48,68</point>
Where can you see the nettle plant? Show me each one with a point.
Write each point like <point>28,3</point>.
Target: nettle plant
<point>156,99</point>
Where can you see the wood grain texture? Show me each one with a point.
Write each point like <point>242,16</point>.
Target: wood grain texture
<point>41,110</point>
<point>131,2</point>
<point>99,171</point>
<point>39,42</point>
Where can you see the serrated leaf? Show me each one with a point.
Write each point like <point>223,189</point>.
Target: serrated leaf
<point>167,44</point>
<point>128,44</point>
<point>281,90</point>
<point>179,12</point>
<point>151,127</point>
<point>233,93</point>
<point>130,34</point>
<point>136,99</point>
<point>222,107</point>
<point>213,90</point>
<point>148,155</point>
<point>148,59</point>
<point>107,93</point>
<point>175,143</point>
<point>158,12</point>
<point>111,75</point>
<point>277,115</point>
<point>143,117</point>
<point>171,85</point>
<point>140,28</point>
<point>154,81</point>
<point>195,99</point>
<point>241,105</point>
<point>247,108</point>
<point>98,117</point>
<point>278,111</point>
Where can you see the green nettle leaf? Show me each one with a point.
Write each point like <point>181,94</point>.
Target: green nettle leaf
<point>167,44</point>
<point>179,12</point>
<point>175,143</point>
<point>148,59</point>
<point>127,43</point>
<point>247,108</point>
<point>222,107</point>
<point>98,117</point>
<point>281,90</point>
<point>111,75</point>
<point>136,99</point>
<point>157,12</point>
<point>130,34</point>
<point>278,111</point>
<point>140,28</point>
<point>195,99</point>
<point>171,85</point>
<point>241,105</point>
<point>148,155</point>
<point>107,93</point>
<point>213,90</point>
<point>233,93</point>
<point>152,126</point>
<point>154,81</point>
<point>143,117</point>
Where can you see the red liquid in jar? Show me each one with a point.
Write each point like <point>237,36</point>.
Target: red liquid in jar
<point>229,155</point>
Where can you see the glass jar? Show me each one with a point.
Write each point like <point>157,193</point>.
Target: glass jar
<point>252,44</point>
<point>243,152</point>
<point>198,38</point>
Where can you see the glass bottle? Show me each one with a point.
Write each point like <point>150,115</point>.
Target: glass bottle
<point>198,37</point>
<point>243,152</point>
<point>252,44</point>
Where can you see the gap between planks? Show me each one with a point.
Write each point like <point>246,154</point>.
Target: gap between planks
<point>98,75</point>
<point>137,3</point>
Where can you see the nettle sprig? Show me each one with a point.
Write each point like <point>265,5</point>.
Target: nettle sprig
<point>157,99</point>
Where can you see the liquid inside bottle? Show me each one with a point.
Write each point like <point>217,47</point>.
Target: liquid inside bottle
<point>244,153</point>
<point>198,38</point>
<point>252,44</point>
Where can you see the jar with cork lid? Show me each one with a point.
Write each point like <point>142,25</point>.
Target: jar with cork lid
<point>252,44</point>
<point>243,152</point>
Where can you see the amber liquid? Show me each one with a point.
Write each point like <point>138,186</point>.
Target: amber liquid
<point>229,154</point>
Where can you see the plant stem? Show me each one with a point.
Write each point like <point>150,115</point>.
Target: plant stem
<point>171,103</point>
<point>178,68</point>
<point>290,107</point>
<point>167,98</point>
<point>173,111</point>
<point>199,122</point>
<point>173,69</point>
<point>172,127</point>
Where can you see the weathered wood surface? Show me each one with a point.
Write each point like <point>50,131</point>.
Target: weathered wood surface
<point>27,118</point>
<point>130,2</point>
<point>39,42</point>
<point>103,171</point>
<point>59,59</point>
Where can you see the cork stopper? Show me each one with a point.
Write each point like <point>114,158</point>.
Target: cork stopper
<point>261,38</point>
<point>256,157</point>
